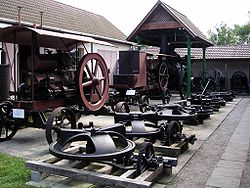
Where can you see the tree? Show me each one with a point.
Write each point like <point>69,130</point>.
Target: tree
<point>226,35</point>
<point>223,35</point>
<point>242,34</point>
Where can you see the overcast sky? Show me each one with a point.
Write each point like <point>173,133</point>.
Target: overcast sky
<point>205,14</point>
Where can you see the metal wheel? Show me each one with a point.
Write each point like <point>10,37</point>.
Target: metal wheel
<point>122,107</point>
<point>144,158</point>
<point>172,130</point>
<point>163,76</point>
<point>92,146</point>
<point>8,128</point>
<point>93,81</point>
<point>144,99</point>
<point>183,87</point>
<point>61,117</point>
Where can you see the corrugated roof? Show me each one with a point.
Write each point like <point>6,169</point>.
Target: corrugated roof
<point>62,16</point>
<point>163,18</point>
<point>219,52</point>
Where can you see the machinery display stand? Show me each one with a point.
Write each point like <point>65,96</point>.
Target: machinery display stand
<point>94,172</point>
<point>174,150</point>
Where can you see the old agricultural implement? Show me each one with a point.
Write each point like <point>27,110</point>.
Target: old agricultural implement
<point>143,75</point>
<point>48,73</point>
<point>86,145</point>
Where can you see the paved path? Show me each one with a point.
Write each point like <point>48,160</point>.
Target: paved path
<point>223,159</point>
<point>229,169</point>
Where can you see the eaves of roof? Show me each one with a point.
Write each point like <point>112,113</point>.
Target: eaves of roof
<point>219,52</point>
<point>8,22</point>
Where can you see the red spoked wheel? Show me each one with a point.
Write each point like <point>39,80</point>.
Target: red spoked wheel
<point>163,76</point>
<point>93,81</point>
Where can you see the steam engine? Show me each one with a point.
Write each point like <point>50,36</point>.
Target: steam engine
<point>54,77</point>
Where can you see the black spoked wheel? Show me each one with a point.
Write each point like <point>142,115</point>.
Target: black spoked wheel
<point>8,128</point>
<point>183,87</point>
<point>61,117</point>
<point>144,99</point>
<point>172,131</point>
<point>145,156</point>
<point>122,107</point>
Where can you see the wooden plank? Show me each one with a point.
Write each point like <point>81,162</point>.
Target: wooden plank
<point>150,175</point>
<point>172,151</point>
<point>168,151</point>
<point>53,159</point>
<point>87,176</point>
<point>128,174</point>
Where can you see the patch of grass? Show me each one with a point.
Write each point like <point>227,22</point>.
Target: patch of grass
<point>13,173</point>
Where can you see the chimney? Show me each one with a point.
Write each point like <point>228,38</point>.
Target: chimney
<point>19,15</point>
<point>41,20</point>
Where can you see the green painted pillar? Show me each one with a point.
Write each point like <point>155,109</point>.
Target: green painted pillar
<point>204,65</point>
<point>188,66</point>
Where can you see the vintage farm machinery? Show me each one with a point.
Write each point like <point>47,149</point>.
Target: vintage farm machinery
<point>143,76</point>
<point>46,79</point>
<point>87,145</point>
<point>154,124</point>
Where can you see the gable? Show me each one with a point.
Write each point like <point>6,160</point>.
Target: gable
<point>165,20</point>
<point>160,19</point>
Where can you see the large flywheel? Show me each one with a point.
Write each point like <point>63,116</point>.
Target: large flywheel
<point>163,76</point>
<point>93,81</point>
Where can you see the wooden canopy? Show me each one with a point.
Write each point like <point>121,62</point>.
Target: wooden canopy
<point>164,20</point>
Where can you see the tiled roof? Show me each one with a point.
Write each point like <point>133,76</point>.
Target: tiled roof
<point>59,15</point>
<point>219,52</point>
<point>163,18</point>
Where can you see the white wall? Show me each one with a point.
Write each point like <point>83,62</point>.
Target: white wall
<point>228,68</point>
<point>9,48</point>
<point>109,53</point>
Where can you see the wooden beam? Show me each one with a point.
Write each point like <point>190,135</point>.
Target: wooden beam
<point>154,26</point>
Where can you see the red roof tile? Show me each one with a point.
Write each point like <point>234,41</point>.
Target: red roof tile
<point>61,16</point>
<point>219,52</point>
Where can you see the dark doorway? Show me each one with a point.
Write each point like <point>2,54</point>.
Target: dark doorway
<point>239,82</point>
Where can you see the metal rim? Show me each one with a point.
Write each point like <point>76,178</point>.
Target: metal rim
<point>7,128</point>
<point>59,149</point>
<point>93,81</point>
<point>122,107</point>
<point>146,154</point>
<point>163,76</point>
<point>60,117</point>
<point>171,131</point>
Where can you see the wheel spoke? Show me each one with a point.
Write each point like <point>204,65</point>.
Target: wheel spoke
<point>96,68</point>
<point>101,78</point>
<point>92,93</point>
<point>98,90</point>
<point>88,83</point>
<point>89,72</point>
<point>1,129</point>
<point>164,70</point>
<point>6,131</point>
